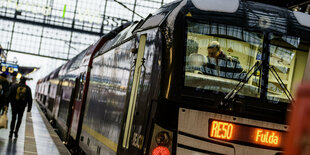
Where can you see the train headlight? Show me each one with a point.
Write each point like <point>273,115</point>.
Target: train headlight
<point>162,138</point>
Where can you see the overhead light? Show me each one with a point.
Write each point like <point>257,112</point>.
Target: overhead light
<point>297,8</point>
<point>19,75</point>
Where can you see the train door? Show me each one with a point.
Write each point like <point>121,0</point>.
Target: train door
<point>77,105</point>
<point>57,99</point>
<point>48,94</point>
<point>74,87</point>
<point>37,90</point>
<point>65,108</point>
<point>131,138</point>
<point>44,93</point>
<point>49,101</point>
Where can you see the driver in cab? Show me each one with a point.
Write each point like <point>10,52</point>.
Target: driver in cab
<point>219,64</point>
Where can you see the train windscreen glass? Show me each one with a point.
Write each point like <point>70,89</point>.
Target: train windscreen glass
<point>288,59</point>
<point>219,56</point>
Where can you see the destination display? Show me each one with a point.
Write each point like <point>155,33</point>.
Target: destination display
<point>246,134</point>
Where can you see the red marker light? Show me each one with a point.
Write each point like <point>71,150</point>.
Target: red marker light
<point>161,150</point>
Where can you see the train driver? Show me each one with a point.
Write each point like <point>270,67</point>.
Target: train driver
<point>219,64</point>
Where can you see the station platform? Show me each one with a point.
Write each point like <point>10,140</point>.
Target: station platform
<point>36,136</point>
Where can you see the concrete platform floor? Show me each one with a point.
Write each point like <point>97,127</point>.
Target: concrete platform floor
<point>35,136</point>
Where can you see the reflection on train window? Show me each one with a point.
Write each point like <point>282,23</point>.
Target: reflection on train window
<point>219,56</point>
<point>285,73</point>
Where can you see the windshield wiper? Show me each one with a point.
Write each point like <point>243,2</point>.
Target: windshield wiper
<point>286,92</point>
<point>230,97</point>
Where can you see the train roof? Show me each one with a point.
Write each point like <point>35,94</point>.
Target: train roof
<point>251,15</point>
<point>119,36</point>
<point>73,63</point>
<point>55,73</point>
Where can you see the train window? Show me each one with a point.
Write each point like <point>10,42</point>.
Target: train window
<point>123,35</point>
<point>77,60</point>
<point>80,87</point>
<point>219,56</point>
<point>285,72</point>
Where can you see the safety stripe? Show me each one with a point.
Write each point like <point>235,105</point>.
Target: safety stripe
<point>30,146</point>
<point>104,140</point>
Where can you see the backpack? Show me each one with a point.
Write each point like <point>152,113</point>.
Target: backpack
<point>21,93</point>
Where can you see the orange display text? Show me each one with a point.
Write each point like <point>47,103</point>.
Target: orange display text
<point>222,130</point>
<point>246,134</point>
<point>266,137</point>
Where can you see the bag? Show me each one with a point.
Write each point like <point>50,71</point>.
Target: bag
<point>21,93</point>
<point>4,121</point>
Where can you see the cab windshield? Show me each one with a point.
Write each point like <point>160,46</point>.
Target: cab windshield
<point>219,56</point>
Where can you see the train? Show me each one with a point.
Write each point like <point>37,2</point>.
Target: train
<point>152,86</point>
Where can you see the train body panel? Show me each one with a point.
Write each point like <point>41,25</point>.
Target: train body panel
<point>78,99</point>
<point>108,79</point>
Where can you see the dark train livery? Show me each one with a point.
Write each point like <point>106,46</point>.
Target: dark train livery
<point>147,87</point>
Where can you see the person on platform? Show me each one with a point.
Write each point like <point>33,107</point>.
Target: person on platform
<point>19,97</point>
<point>4,89</point>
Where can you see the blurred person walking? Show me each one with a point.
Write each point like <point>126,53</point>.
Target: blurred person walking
<point>4,89</point>
<point>19,97</point>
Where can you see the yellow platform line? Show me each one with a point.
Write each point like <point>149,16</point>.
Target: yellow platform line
<point>104,140</point>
